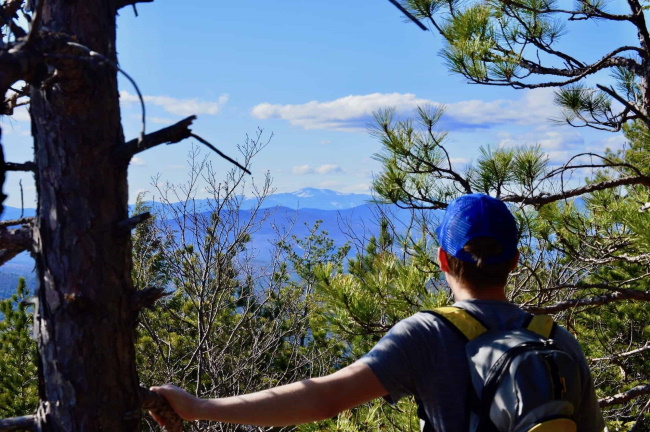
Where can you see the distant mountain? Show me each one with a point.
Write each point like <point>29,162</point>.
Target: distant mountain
<point>342,216</point>
<point>311,198</point>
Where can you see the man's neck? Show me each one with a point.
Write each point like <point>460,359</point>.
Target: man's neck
<point>463,292</point>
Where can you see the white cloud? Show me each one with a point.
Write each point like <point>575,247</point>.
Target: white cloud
<point>339,114</point>
<point>323,169</point>
<point>138,161</point>
<point>328,169</point>
<point>558,144</point>
<point>352,113</point>
<point>614,142</point>
<point>302,169</point>
<point>181,107</point>
<point>160,120</point>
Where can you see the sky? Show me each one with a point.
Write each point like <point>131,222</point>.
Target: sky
<point>310,74</point>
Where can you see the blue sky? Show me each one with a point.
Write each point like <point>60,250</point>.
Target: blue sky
<point>311,73</point>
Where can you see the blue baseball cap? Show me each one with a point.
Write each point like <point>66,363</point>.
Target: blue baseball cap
<point>478,215</point>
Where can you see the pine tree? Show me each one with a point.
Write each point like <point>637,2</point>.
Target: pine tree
<point>18,385</point>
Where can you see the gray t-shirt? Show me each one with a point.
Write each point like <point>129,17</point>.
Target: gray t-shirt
<point>424,357</point>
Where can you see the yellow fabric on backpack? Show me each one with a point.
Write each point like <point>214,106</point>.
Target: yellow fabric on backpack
<point>542,325</point>
<point>463,321</point>
<point>557,425</point>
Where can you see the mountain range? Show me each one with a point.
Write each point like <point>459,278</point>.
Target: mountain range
<point>342,216</point>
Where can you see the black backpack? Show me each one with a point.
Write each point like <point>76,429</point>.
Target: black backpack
<point>521,381</point>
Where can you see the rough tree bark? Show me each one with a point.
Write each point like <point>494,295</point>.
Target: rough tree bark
<point>85,322</point>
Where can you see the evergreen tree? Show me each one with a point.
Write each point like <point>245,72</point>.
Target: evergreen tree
<point>18,383</point>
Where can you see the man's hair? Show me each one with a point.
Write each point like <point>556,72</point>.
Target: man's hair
<point>479,274</point>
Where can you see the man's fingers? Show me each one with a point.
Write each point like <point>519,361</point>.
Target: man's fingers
<point>157,419</point>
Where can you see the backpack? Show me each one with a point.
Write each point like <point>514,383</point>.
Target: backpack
<point>521,381</point>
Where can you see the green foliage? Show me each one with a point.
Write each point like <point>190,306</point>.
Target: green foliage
<point>358,305</point>
<point>519,44</point>
<point>18,383</point>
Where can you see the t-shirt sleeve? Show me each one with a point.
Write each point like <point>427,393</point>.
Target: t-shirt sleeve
<point>394,359</point>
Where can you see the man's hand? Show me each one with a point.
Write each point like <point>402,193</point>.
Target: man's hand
<point>185,405</point>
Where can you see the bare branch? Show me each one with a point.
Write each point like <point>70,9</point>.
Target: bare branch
<point>542,199</point>
<point>121,3</point>
<point>169,135</point>
<point>132,222</point>
<point>145,299</point>
<point>22,221</point>
<point>623,294</point>
<point>158,405</point>
<point>27,166</point>
<point>18,424</point>
<point>641,350</point>
<point>408,14</point>
<point>220,153</point>
<point>13,242</point>
<point>627,396</point>
<point>7,12</point>
<point>627,104</point>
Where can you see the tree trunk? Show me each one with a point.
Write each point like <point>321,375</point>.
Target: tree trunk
<point>85,322</point>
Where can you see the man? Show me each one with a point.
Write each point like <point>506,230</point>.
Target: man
<point>421,356</point>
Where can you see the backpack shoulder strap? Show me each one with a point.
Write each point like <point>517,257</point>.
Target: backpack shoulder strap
<point>542,325</point>
<point>461,320</point>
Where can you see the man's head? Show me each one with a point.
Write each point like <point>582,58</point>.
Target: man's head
<point>479,237</point>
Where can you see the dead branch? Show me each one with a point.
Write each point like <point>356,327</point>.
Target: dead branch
<point>641,350</point>
<point>8,11</point>
<point>627,396</point>
<point>13,242</point>
<point>408,14</point>
<point>132,222</point>
<point>158,405</point>
<point>626,294</point>
<point>121,3</point>
<point>27,423</point>
<point>27,166</point>
<point>220,153</point>
<point>22,221</point>
<point>169,135</point>
<point>147,297</point>
<point>542,199</point>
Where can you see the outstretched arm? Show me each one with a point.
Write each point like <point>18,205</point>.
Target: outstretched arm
<point>300,402</point>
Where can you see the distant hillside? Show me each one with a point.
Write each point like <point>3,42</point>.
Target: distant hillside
<point>296,213</point>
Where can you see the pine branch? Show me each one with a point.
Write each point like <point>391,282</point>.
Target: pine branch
<point>158,405</point>
<point>624,294</point>
<point>25,423</point>
<point>169,135</point>
<point>13,242</point>
<point>624,397</point>
<point>542,199</point>
<point>625,103</point>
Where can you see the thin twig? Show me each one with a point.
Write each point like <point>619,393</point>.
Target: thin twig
<point>220,153</point>
<point>409,15</point>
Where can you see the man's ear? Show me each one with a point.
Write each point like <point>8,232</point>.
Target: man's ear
<point>442,259</point>
<point>515,261</point>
